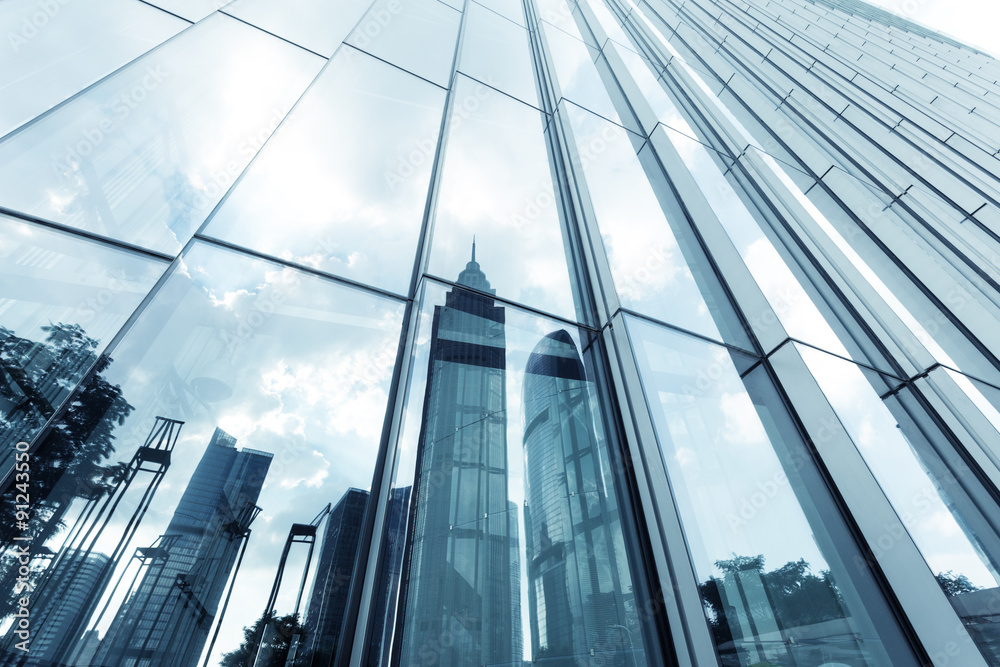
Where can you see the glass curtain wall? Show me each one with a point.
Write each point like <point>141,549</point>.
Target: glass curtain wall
<point>497,333</point>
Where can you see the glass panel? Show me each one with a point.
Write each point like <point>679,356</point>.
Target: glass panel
<point>928,491</point>
<point>776,564</point>
<point>985,396</point>
<point>652,91</point>
<point>608,22</point>
<point>342,186</point>
<point>58,48</point>
<point>496,186</point>
<point>417,35</point>
<point>192,10</point>
<point>62,299</point>
<point>511,9</point>
<point>146,154</point>
<point>794,308</point>
<point>318,25</point>
<point>495,51</point>
<point>515,547</point>
<point>649,264</point>
<point>566,16</point>
<point>245,399</point>
<point>576,75</point>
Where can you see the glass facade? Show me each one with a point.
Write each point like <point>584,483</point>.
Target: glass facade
<point>497,333</point>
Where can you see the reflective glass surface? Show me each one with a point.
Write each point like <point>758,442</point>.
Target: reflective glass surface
<point>577,78</point>
<point>246,397</point>
<point>318,25</point>
<point>789,301</point>
<point>511,9</point>
<point>417,35</point>
<point>340,332</point>
<point>516,537</point>
<point>342,185</point>
<point>58,48</point>
<point>146,154</point>
<point>496,186</point>
<point>62,299</point>
<point>928,491</point>
<point>774,563</point>
<point>652,272</point>
<point>495,51</point>
<point>192,10</point>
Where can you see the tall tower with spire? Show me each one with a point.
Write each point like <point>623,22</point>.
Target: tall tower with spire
<point>461,598</point>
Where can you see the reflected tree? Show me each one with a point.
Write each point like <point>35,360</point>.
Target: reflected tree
<point>69,461</point>
<point>273,650</point>
<point>796,596</point>
<point>955,584</point>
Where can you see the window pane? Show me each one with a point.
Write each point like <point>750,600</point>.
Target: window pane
<point>417,35</point>
<point>495,51</point>
<point>192,10</point>
<point>792,305</point>
<point>250,395</point>
<point>145,155</point>
<point>496,186</point>
<point>511,9</point>
<point>935,499</point>
<point>576,75</point>
<point>62,299</point>
<point>516,550</point>
<point>658,269</point>
<point>60,49</point>
<point>342,186</point>
<point>772,555</point>
<point>318,25</point>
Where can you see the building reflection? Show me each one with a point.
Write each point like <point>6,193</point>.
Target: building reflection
<point>576,598</point>
<point>328,598</point>
<point>76,581</point>
<point>462,604</point>
<point>166,620</point>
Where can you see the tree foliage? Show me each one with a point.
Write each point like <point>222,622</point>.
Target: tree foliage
<point>955,584</point>
<point>793,595</point>
<point>275,645</point>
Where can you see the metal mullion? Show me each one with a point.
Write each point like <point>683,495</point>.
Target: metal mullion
<point>87,234</point>
<point>931,615</point>
<point>104,78</point>
<point>358,619</point>
<point>242,250</point>
<point>362,593</point>
<point>692,642</point>
<point>59,413</point>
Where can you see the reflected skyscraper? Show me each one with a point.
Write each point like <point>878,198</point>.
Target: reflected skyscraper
<point>328,599</point>
<point>76,578</point>
<point>460,603</point>
<point>167,619</point>
<point>387,584</point>
<point>577,605</point>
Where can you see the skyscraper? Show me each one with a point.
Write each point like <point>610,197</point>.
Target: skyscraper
<point>460,599</point>
<point>166,620</point>
<point>60,615</point>
<point>744,296</point>
<point>575,594</point>
<point>328,598</point>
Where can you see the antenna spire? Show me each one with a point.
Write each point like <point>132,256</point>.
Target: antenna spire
<point>473,247</point>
